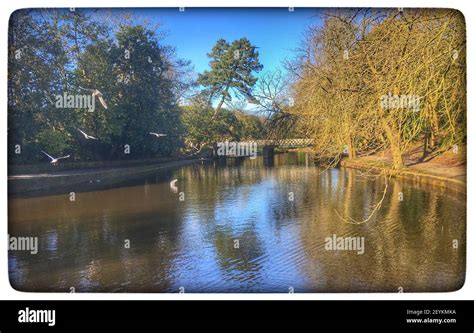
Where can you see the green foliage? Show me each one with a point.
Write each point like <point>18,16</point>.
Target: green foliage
<point>250,126</point>
<point>202,130</point>
<point>232,66</point>
<point>35,60</point>
<point>54,141</point>
<point>60,51</point>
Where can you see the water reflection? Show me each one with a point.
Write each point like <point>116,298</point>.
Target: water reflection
<point>238,230</point>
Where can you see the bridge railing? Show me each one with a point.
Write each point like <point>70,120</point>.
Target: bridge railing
<point>284,142</point>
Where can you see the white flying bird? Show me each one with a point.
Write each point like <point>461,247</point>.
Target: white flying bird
<point>158,134</point>
<point>98,94</point>
<point>173,186</point>
<point>55,160</point>
<point>87,136</point>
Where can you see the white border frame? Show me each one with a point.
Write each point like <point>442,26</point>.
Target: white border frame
<point>8,293</point>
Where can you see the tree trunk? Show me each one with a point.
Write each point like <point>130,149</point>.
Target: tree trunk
<point>351,149</point>
<point>425,145</point>
<point>394,140</point>
<point>219,106</point>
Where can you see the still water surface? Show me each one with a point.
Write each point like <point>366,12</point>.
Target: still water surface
<point>237,230</point>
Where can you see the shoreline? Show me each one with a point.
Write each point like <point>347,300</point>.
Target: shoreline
<point>34,183</point>
<point>410,174</point>
<point>83,179</point>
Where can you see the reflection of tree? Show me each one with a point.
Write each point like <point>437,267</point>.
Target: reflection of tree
<point>89,252</point>
<point>269,161</point>
<point>408,244</point>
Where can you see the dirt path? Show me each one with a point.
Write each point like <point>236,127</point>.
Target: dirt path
<point>447,170</point>
<point>437,167</point>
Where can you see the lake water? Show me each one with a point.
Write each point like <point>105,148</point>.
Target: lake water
<point>242,226</point>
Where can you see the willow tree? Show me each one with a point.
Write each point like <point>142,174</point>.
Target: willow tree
<point>410,54</point>
<point>376,80</point>
<point>329,90</point>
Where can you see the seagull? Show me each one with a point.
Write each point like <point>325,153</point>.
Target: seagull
<point>158,134</point>
<point>173,186</point>
<point>98,94</point>
<point>55,160</point>
<point>87,136</point>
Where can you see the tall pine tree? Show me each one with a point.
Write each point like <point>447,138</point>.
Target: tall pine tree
<point>232,67</point>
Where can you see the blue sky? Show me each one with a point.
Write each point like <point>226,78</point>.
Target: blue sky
<point>276,31</point>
